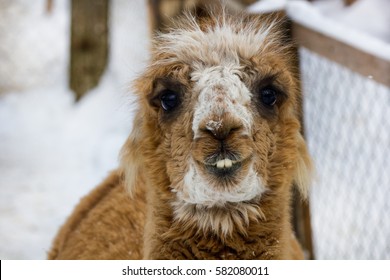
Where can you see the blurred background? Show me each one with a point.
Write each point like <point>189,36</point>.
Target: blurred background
<point>66,108</point>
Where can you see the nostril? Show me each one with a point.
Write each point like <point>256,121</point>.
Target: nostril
<point>214,133</point>
<point>220,131</point>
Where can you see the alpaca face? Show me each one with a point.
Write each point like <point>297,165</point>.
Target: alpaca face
<point>221,167</point>
<point>219,111</point>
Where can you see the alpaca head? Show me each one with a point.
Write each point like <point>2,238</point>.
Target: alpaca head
<point>217,122</point>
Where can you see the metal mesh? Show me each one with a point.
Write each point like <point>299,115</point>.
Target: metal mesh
<point>347,122</point>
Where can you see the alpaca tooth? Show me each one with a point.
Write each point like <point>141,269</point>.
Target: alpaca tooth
<point>224,163</point>
<point>221,164</point>
<point>228,163</point>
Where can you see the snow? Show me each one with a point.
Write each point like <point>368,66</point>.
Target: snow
<point>310,16</point>
<point>22,22</point>
<point>53,150</point>
<point>267,6</point>
<point>369,16</point>
<point>363,25</point>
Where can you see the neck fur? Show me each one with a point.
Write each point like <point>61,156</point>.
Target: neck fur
<point>237,231</point>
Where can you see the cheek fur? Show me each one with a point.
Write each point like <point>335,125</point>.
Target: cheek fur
<point>264,146</point>
<point>178,145</point>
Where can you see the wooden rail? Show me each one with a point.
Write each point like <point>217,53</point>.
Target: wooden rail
<point>357,60</point>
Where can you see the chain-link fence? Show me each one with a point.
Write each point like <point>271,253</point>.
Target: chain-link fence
<point>347,122</point>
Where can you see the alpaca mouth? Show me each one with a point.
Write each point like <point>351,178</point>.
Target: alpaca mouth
<point>224,167</point>
<point>223,164</point>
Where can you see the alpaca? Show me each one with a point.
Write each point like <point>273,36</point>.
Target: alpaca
<point>214,151</point>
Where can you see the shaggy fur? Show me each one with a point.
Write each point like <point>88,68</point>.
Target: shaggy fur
<point>210,178</point>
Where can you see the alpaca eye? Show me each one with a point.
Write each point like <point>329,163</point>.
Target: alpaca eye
<point>268,96</point>
<point>169,100</point>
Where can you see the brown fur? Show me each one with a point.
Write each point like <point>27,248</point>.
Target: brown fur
<point>158,222</point>
<point>106,224</point>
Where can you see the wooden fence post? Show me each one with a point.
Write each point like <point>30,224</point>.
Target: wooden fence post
<point>89,44</point>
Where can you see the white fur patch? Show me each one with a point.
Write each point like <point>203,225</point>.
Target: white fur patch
<point>223,220</point>
<point>197,190</point>
<point>220,91</point>
<point>214,125</point>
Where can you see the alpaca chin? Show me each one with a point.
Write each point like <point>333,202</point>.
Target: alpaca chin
<point>206,190</point>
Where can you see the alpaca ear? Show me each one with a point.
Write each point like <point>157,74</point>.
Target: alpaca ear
<point>303,168</point>
<point>131,155</point>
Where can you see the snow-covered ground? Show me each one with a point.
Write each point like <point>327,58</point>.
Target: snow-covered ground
<point>53,151</point>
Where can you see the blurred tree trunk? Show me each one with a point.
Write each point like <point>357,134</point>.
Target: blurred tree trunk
<point>89,44</point>
<point>349,2</point>
<point>49,6</point>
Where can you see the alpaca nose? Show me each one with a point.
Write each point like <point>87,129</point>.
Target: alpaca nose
<point>222,128</point>
<point>220,133</point>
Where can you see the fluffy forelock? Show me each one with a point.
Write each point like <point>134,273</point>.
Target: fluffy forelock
<point>219,39</point>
